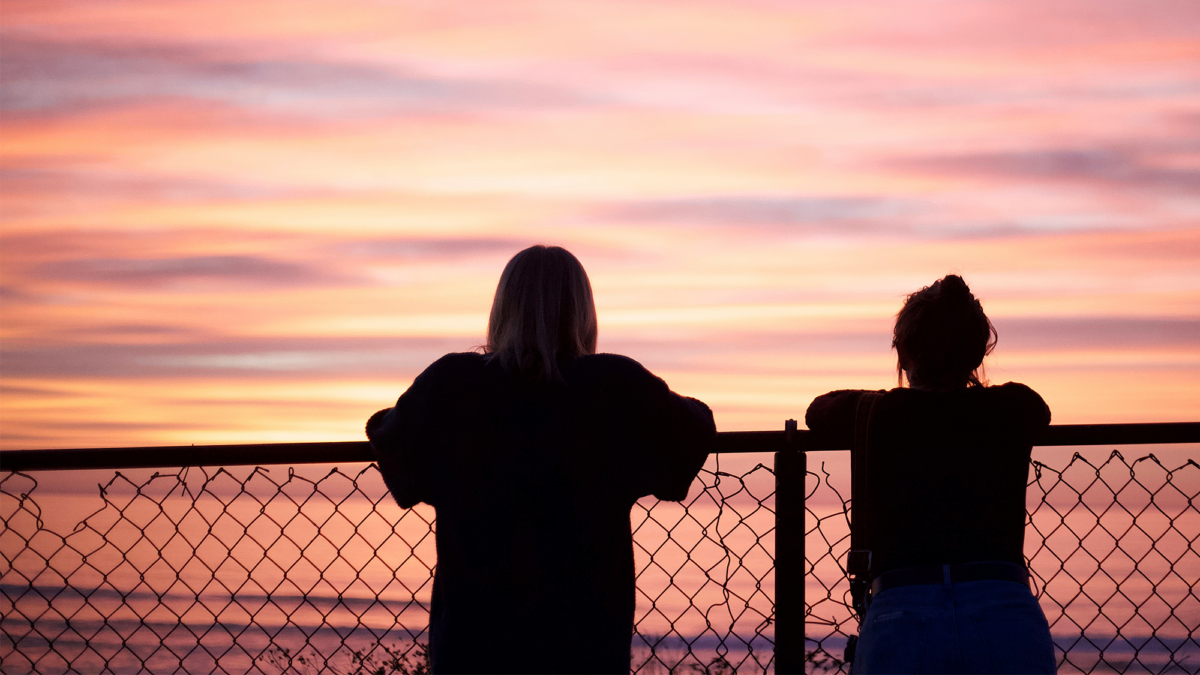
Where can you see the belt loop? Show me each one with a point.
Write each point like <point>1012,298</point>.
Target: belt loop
<point>946,574</point>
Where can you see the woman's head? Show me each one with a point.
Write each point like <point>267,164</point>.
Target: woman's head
<point>543,312</point>
<point>942,335</point>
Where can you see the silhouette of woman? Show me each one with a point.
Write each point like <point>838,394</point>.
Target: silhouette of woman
<point>947,464</point>
<point>532,454</point>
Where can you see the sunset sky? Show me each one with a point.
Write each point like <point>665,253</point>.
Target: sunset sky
<point>254,221</point>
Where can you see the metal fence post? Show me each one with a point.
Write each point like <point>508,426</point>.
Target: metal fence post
<point>790,469</point>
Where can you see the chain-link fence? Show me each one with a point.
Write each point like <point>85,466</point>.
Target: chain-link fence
<point>1113,546</point>
<point>280,570</point>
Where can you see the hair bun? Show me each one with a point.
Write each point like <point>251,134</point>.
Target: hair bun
<point>942,335</point>
<point>953,286</point>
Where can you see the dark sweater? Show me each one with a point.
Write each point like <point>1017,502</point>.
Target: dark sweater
<point>533,485</point>
<point>947,470</point>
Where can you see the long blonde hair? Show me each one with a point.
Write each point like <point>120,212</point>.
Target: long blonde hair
<point>543,312</point>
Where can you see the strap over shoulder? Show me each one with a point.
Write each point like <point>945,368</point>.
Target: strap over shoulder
<point>858,562</point>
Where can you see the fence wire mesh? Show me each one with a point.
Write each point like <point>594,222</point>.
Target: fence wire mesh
<point>279,570</point>
<point>1113,546</point>
<point>271,571</point>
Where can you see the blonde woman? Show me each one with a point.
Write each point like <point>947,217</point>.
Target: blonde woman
<point>532,454</point>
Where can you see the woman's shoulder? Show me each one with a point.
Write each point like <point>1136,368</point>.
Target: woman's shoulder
<point>1012,401</point>
<point>843,396</point>
<point>1011,391</point>
<point>460,360</point>
<point>613,374</point>
<point>611,365</point>
<point>1019,398</point>
<point>1018,390</point>
<point>453,366</point>
<point>835,409</point>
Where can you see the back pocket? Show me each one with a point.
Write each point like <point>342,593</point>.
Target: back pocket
<point>891,642</point>
<point>1016,637</point>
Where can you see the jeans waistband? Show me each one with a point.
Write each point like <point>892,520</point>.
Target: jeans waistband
<point>947,574</point>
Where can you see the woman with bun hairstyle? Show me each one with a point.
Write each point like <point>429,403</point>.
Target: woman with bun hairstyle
<point>947,462</point>
<point>532,454</point>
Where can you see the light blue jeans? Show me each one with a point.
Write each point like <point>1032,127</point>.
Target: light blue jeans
<point>966,627</point>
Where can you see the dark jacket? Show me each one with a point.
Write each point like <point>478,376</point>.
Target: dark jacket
<point>947,470</point>
<point>533,485</point>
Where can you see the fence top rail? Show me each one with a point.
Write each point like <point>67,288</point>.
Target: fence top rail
<point>360,451</point>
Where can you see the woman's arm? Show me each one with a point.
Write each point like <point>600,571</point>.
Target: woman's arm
<point>663,438</point>
<point>406,438</point>
<point>406,471</point>
<point>686,437</point>
<point>831,416</point>
<point>1026,407</point>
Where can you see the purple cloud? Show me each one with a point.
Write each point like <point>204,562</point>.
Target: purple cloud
<point>1126,167</point>
<point>1096,333</point>
<point>251,357</point>
<point>414,248</point>
<point>800,212</point>
<point>179,272</point>
<point>43,76</point>
<point>108,185</point>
